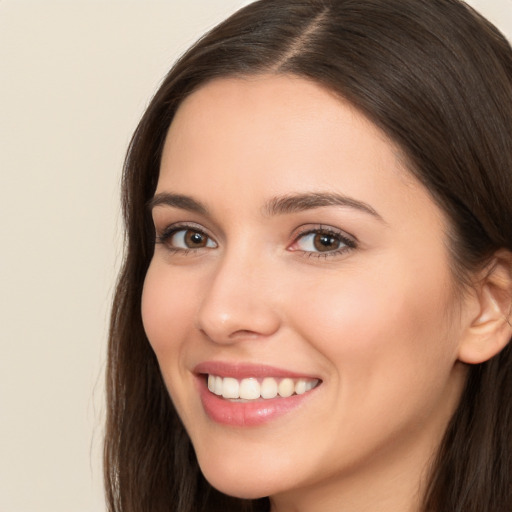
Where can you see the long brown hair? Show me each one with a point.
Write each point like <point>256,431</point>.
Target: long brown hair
<point>436,77</point>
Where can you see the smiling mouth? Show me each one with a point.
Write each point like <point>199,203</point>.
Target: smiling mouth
<point>251,388</point>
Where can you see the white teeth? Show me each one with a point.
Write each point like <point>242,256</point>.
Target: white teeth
<point>286,388</point>
<point>301,387</point>
<point>218,386</point>
<point>230,388</point>
<point>269,388</point>
<point>252,389</point>
<point>249,389</point>
<point>211,383</point>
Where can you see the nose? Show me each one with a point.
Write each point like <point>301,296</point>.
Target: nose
<point>239,301</point>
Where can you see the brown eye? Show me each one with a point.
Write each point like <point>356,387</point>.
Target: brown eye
<point>195,239</point>
<point>319,241</point>
<point>325,242</point>
<point>189,239</point>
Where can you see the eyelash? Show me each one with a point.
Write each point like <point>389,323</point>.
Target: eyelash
<point>348,242</point>
<point>170,231</point>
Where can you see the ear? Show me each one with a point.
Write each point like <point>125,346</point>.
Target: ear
<point>491,329</point>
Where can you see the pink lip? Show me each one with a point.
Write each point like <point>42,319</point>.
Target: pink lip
<point>246,414</point>
<point>246,370</point>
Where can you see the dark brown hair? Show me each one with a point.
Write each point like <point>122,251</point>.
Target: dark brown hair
<point>437,79</point>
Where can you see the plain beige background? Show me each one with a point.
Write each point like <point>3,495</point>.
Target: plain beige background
<point>75,77</point>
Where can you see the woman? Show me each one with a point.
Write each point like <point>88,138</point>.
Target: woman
<point>314,311</point>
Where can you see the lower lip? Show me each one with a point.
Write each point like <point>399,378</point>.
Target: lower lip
<point>247,414</point>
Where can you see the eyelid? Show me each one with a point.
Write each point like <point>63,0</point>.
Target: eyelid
<point>161,237</point>
<point>349,241</point>
<point>324,228</point>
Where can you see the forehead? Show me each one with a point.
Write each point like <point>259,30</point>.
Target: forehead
<point>279,111</point>
<point>273,133</point>
<point>286,105</point>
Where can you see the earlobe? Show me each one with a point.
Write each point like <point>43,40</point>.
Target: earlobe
<point>490,331</point>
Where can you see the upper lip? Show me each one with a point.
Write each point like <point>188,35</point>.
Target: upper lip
<point>246,370</point>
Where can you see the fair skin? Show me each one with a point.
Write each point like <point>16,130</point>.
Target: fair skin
<point>356,294</point>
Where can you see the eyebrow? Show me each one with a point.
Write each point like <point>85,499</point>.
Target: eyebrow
<point>176,201</point>
<point>280,205</point>
<point>302,202</point>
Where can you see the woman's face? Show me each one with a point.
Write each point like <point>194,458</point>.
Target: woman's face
<point>296,254</point>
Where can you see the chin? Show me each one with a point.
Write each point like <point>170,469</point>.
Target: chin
<point>239,487</point>
<point>248,482</point>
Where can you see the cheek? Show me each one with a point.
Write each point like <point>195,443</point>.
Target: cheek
<point>376,328</point>
<point>167,308</point>
<point>390,353</point>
